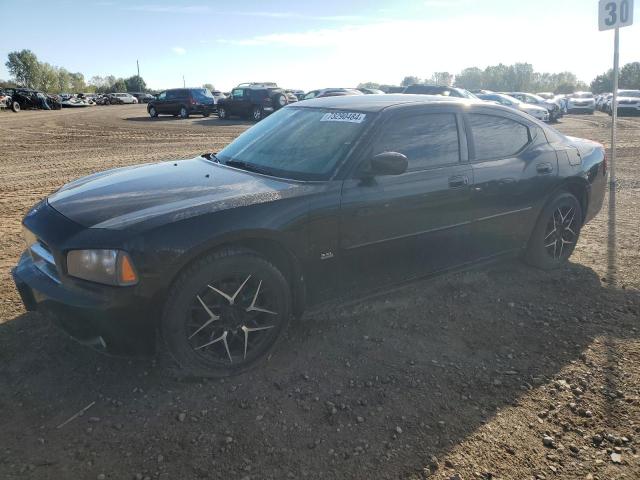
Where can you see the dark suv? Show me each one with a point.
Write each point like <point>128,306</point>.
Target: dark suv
<point>254,100</point>
<point>182,102</point>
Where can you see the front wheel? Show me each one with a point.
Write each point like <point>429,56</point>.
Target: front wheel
<point>226,313</point>
<point>153,113</point>
<point>15,106</point>
<point>222,113</point>
<point>256,114</point>
<point>556,233</point>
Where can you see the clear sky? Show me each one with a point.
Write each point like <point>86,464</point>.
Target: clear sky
<point>304,44</point>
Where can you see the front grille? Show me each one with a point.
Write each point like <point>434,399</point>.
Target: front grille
<point>44,260</point>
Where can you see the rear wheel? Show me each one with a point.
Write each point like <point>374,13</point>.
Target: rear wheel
<point>226,313</point>
<point>556,233</point>
<point>184,113</point>
<point>15,106</point>
<point>222,113</point>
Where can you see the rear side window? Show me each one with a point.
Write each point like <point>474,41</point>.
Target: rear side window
<point>497,137</point>
<point>428,140</point>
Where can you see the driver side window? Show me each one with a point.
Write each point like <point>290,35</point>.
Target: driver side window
<point>162,96</point>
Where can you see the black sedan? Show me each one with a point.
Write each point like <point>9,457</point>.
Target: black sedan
<point>329,198</point>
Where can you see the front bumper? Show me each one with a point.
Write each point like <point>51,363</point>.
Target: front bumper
<point>581,108</point>
<point>110,319</point>
<point>628,109</point>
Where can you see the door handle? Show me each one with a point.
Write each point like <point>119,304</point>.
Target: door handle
<point>544,168</point>
<point>458,181</point>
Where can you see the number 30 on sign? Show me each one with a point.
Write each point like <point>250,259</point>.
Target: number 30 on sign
<point>615,14</point>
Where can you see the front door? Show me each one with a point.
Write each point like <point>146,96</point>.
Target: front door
<point>239,102</point>
<point>394,228</point>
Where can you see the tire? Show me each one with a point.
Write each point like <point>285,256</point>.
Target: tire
<point>556,233</point>
<point>184,113</point>
<point>15,106</point>
<point>217,305</point>
<point>153,113</point>
<point>222,113</point>
<point>279,100</point>
<point>256,113</point>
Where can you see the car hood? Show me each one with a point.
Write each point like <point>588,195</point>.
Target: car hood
<point>165,192</point>
<point>532,108</point>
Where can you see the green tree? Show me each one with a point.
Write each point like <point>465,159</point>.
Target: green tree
<point>24,68</point>
<point>630,76</point>
<point>410,80</point>
<point>118,86</point>
<point>603,83</point>
<point>48,78</point>
<point>441,78</point>
<point>135,84</point>
<point>470,78</point>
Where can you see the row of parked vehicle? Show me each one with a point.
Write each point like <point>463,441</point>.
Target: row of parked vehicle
<point>628,102</point>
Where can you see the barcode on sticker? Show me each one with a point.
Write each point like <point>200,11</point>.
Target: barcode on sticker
<point>352,117</point>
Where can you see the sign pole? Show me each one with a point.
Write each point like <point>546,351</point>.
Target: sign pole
<point>614,108</point>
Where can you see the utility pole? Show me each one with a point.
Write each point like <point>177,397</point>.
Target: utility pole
<point>139,85</point>
<point>184,85</point>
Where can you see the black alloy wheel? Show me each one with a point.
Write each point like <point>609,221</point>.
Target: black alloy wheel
<point>226,314</point>
<point>556,233</point>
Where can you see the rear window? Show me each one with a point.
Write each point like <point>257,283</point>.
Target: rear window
<point>201,94</point>
<point>497,137</point>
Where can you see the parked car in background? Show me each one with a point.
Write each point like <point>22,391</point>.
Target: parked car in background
<point>601,100</point>
<point>442,90</point>
<point>123,98</point>
<point>329,198</point>
<point>217,95</point>
<point>546,95</point>
<point>143,97</point>
<point>371,91</point>
<point>299,94</point>
<point>541,113</point>
<point>254,101</point>
<point>26,98</point>
<point>581,102</point>
<point>182,102</point>
<point>5,99</point>
<point>554,109</point>
<point>331,92</point>
<point>561,100</point>
<point>628,102</point>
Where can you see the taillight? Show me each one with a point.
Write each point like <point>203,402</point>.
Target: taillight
<point>192,101</point>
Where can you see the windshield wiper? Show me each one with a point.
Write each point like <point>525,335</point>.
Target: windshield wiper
<point>249,167</point>
<point>211,156</point>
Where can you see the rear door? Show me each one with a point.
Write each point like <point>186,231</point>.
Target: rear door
<point>398,227</point>
<point>513,167</point>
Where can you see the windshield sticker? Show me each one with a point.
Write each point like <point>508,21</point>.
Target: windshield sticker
<point>351,117</point>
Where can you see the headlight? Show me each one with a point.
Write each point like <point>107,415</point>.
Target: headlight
<point>111,267</point>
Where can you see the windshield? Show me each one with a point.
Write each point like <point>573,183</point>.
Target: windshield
<point>297,143</point>
<point>582,95</point>
<point>467,94</point>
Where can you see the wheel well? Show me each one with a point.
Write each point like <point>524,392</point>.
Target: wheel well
<point>579,190</point>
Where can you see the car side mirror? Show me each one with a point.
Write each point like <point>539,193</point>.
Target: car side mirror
<point>388,163</point>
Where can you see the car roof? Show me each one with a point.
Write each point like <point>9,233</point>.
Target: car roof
<point>377,103</point>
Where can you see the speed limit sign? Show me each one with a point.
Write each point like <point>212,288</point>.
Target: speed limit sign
<point>615,14</point>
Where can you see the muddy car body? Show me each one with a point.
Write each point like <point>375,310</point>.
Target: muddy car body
<point>329,198</point>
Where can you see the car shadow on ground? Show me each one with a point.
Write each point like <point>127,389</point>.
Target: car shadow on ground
<point>373,390</point>
<point>213,120</point>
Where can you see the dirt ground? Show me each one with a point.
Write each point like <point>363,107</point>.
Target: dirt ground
<point>503,372</point>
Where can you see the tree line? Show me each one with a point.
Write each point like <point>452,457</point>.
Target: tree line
<point>27,71</point>
<point>520,77</point>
